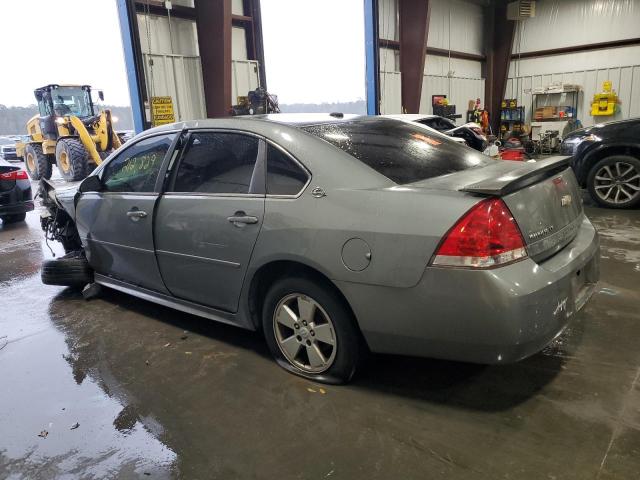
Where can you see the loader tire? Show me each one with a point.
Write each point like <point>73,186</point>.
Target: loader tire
<point>36,162</point>
<point>72,159</point>
<point>72,270</point>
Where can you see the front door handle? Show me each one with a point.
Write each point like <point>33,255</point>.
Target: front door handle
<point>136,214</point>
<point>241,218</point>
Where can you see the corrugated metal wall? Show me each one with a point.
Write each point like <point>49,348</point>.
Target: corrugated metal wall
<point>626,81</point>
<point>460,80</point>
<point>562,23</point>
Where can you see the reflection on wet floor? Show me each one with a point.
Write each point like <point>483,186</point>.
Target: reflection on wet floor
<point>162,394</point>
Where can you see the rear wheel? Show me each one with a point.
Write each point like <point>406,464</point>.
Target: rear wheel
<point>18,217</point>
<point>310,331</point>
<point>614,182</point>
<point>37,163</point>
<point>71,157</point>
<point>72,270</point>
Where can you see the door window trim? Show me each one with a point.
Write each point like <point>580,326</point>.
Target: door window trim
<point>258,169</point>
<point>296,161</point>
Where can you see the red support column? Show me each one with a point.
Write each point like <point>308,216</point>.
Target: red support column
<point>213,23</point>
<point>499,33</point>
<point>414,30</point>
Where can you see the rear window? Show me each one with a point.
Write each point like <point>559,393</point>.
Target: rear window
<point>402,152</point>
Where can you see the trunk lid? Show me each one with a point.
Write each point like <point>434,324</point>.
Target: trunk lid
<point>544,198</point>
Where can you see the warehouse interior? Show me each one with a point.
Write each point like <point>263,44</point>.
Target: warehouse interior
<point>530,108</point>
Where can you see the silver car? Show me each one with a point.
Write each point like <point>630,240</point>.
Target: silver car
<point>335,235</point>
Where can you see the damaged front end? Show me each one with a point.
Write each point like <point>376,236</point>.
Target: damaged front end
<point>56,219</point>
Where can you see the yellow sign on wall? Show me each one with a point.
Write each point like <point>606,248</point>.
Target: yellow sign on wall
<point>162,111</point>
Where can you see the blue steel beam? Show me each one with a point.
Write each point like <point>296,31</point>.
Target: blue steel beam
<point>372,71</point>
<point>135,93</point>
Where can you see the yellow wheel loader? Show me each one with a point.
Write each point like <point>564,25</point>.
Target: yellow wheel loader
<point>67,132</point>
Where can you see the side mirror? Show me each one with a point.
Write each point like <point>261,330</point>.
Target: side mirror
<point>90,184</point>
<point>101,95</point>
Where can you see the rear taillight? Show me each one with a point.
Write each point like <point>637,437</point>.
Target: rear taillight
<point>486,236</point>
<point>14,175</point>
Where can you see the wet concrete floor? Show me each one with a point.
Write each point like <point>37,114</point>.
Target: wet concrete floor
<point>162,394</point>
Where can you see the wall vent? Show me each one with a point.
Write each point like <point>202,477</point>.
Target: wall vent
<point>521,10</point>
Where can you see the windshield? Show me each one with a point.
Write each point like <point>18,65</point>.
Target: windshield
<point>71,101</point>
<point>400,151</point>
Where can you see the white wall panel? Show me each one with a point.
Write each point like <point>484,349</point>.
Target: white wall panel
<point>564,23</point>
<point>458,90</point>
<point>390,92</point>
<point>237,7</point>
<point>155,37</point>
<point>601,59</point>
<point>238,44</point>
<point>388,19</point>
<point>465,20</point>
<point>437,65</point>
<point>244,78</point>
<point>179,77</point>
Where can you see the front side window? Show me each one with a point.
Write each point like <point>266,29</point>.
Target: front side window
<point>284,176</point>
<point>136,169</point>
<point>218,162</point>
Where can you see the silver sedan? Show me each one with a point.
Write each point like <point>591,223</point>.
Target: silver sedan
<point>335,235</point>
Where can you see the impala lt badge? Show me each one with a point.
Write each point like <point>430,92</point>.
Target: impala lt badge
<point>541,233</point>
<point>566,200</point>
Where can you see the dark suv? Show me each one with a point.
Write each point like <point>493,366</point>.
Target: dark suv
<point>606,161</point>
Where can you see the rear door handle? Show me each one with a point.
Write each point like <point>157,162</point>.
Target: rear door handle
<point>136,214</point>
<point>240,218</point>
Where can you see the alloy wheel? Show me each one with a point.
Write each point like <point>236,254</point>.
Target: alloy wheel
<point>305,333</point>
<point>618,183</point>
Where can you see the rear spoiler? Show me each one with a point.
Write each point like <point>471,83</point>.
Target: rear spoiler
<point>527,174</point>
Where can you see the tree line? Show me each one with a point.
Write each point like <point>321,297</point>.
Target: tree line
<point>13,120</point>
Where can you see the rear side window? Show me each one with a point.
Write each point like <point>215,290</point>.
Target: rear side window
<point>218,163</point>
<point>284,176</point>
<point>136,169</point>
<point>402,152</point>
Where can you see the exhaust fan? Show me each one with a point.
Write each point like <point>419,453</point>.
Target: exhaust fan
<point>521,10</point>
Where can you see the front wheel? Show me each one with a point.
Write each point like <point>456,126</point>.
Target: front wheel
<point>310,331</point>
<point>71,157</point>
<point>614,182</point>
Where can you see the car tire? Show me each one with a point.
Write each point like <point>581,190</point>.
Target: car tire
<point>622,173</point>
<point>72,270</point>
<point>36,162</point>
<point>15,218</point>
<point>72,159</point>
<point>330,333</point>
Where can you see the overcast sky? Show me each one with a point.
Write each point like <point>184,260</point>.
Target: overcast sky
<point>312,57</point>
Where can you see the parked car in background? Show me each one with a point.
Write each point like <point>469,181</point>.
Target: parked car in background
<point>606,161</point>
<point>330,234</point>
<point>469,133</point>
<point>15,193</point>
<point>8,149</point>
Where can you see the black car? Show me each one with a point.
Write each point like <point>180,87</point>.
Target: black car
<point>469,133</point>
<point>606,161</point>
<point>15,193</point>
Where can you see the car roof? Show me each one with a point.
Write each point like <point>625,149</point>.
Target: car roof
<point>411,116</point>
